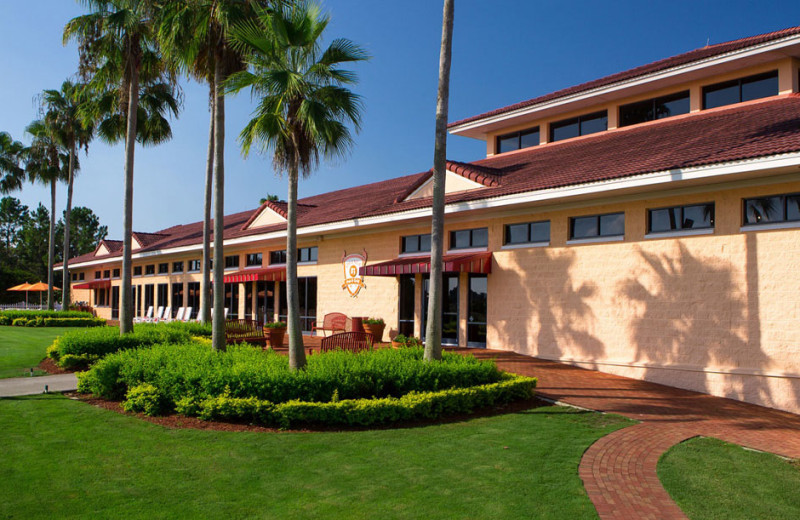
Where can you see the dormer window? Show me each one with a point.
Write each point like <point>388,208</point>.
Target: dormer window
<point>740,90</point>
<point>518,140</point>
<point>656,108</point>
<point>577,126</point>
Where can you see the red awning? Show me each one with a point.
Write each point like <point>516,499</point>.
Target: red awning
<point>94,284</point>
<point>461,263</point>
<point>267,274</point>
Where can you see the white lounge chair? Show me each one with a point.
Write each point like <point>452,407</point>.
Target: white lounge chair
<point>147,317</point>
<point>187,314</point>
<point>166,315</point>
<point>158,316</point>
<point>178,316</point>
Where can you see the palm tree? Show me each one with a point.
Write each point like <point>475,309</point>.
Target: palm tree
<point>71,130</point>
<point>117,52</point>
<point>194,34</point>
<point>303,110</point>
<point>11,173</point>
<point>47,163</point>
<point>433,332</point>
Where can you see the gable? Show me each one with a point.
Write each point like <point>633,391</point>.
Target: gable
<point>453,183</point>
<point>101,250</point>
<point>266,217</point>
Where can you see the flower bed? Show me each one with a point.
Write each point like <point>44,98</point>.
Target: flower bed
<point>246,384</point>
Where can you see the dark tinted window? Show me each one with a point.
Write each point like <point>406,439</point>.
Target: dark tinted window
<point>97,275</point>
<point>193,265</point>
<point>137,271</point>
<point>416,243</point>
<point>177,267</point>
<point>107,274</point>
<point>466,238</point>
<point>254,259</point>
<point>582,125</point>
<point>527,233</point>
<point>115,273</point>
<point>656,108</point>
<point>742,89</point>
<point>696,216</point>
<point>517,140</point>
<point>81,275</point>
<point>307,254</point>
<point>775,208</point>
<point>612,224</point>
<point>150,269</point>
<point>277,257</point>
<point>231,261</point>
<point>163,268</point>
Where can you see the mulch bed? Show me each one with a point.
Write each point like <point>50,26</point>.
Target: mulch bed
<point>49,366</point>
<point>179,421</point>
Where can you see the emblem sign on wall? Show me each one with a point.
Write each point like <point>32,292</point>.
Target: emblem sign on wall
<point>353,280</point>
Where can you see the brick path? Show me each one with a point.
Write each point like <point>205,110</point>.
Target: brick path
<point>619,470</point>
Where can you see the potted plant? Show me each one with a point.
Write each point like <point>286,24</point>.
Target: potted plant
<point>275,332</point>
<point>375,327</point>
<point>399,341</point>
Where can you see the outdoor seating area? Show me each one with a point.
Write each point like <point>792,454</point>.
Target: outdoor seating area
<point>333,322</point>
<point>350,341</point>
<point>245,331</point>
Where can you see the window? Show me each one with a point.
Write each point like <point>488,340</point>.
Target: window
<point>416,243</point>
<point>528,233</point>
<point>81,275</point>
<point>163,268</point>
<point>115,273</point>
<point>739,90</point>
<point>177,267</point>
<point>581,125</point>
<point>232,262</point>
<point>656,108</point>
<point>277,257</point>
<point>773,208</point>
<point>137,271</point>
<point>307,254</point>
<point>594,226</point>
<point>466,238</point>
<point>254,260</point>
<point>74,277</point>
<point>518,140</point>
<point>193,265</point>
<point>150,270</point>
<point>107,274</point>
<point>97,275</point>
<point>693,216</point>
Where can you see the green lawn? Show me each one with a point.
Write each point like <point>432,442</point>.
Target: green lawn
<point>22,348</point>
<point>709,479</point>
<point>68,459</point>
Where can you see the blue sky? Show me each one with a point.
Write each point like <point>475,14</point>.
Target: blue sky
<point>504,51</point>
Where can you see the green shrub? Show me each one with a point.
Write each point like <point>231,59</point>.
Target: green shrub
<point>74,322</point>
<point>5,320</point>
<point>374,321</point>
<point>20,322</point>
<point>12,314</point>
<point>275,325</point>
<point>145,398</point>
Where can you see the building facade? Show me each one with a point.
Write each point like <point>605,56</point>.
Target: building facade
<point>645,224</point>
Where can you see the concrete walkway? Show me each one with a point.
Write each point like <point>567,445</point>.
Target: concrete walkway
<point>17,386</point>
<point>619,470</point>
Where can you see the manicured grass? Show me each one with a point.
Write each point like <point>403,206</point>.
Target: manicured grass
<point>709,478</point>
<point>69,459</point>
<point>22,348</point>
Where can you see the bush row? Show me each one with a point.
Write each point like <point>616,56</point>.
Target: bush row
<point>195,371</point>
<point>8,317</point>
<point>54,322</point>
<point>354,412</point>
<point>80,348</point>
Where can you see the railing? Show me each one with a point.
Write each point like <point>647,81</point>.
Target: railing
<point>22,306</point>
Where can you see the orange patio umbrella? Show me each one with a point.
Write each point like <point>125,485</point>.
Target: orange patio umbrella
<point>22,287</point>
<point>40,287</point>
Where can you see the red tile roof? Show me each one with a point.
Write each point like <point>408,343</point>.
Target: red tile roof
<point>667,63</point>
<point>749,130</point>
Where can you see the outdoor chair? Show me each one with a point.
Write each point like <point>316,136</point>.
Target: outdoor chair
<point>350,341</point>
<point>187,314</point>
<point>244,331</point>
<point>147,317</point>
<point>158,316</point>
<point>333,322</point>
<point>165,316</point>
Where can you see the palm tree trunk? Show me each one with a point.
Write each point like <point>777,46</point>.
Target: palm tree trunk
<point>218,325</point>
<point>205,287</point>
<point>297,352</point>
<point>433,333</point>
<point>51,246</point>
<point>65,295</point>
<point>126,309</point>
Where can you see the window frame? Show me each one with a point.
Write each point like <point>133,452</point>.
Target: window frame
<point>137,270</point>
<point>654,104</point>
<point>249,260</point>
<point>165,266</point>
<point>182,265</point>
<point>518,134</point>
<point>580,120</point>
<point>418,238</point>
<point>471,245</point>
<point>599,237</point>
<point>277,257</point>
<point>236,263</point>
<point>198,262</point>
<point>784,222</point>
<point>739,82</point>
<point>508,244</point>
<point>681,230</point>
<point>150,270</point>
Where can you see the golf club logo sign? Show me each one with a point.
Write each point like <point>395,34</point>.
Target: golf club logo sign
<point>353,280</point>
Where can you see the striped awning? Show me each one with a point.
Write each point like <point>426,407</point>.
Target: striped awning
<point>94,284</point>
<point>266,274</point>
<point>460,263</point>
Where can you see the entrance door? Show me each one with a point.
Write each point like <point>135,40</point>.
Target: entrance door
<point>307,292</point>
<point>265,297</point>
<point>449,308</point>
<point>115,302</point>
<point>476,314</point>
<point>405,311</point>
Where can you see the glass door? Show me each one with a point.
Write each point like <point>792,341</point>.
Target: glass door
<point>405,309</point>
<point>266,301</point>
<point>476,313</point>
<point>307,292</point>
<point>115,302</point>
<point>449,308</point>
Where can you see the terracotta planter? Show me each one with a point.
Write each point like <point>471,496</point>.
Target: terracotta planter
<point>396,344</point>
<point>375,330</point>
<point>275,336</point>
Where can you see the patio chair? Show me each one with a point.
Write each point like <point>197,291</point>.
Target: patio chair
<point>165,315</point>
<point>351,341</point>
<point>158,316</point>
<point>147,317</point>
<point>333,322</point>
<point>187,314</point>
<point>178,316</point>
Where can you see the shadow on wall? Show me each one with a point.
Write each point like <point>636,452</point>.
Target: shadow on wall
<point>692,312</point>
<point>548,316</point>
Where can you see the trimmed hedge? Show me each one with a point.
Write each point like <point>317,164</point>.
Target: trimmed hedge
<point>58,322</point>
<point>7,317</point>
<point>197,372</point>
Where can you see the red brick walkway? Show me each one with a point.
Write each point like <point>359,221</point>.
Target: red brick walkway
<point>619,470</point>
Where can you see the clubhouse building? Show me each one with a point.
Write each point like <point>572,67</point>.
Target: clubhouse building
<point>645,224</point>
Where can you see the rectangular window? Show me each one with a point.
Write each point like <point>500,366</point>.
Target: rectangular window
<point>177,267</point>
<point>137,271</point>
<point>277,257</point>
<point>739,90</point>
<point>232,262</point>
<point>162,292</point>
<point>307,254</point>
<point>81,275</point>
<point>416,244</point>
<point>528,233</point>
<point>581,125</point>
<point>594,226</point>
<point>656,108</point>
<point>193,266</point>
<point>115,273</point>
<point>163,268</point>
<point>677,218</point>
<point>150,270</point>
<point>107,274</point>
<point>772,208</point>
<point>74,277</point>
<point>254,260</point>
<point>468,238</point>
<point>177,298</point>
<point>518,140</point>
<point>97,275</point>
